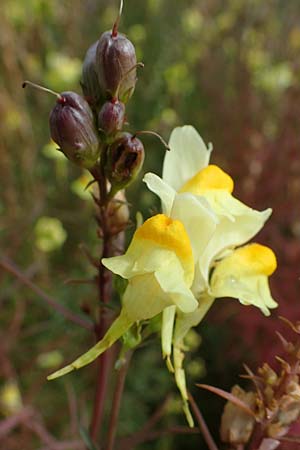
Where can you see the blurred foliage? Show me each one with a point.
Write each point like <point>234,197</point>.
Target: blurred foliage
<point>49,234</point>
<point>232,70</point>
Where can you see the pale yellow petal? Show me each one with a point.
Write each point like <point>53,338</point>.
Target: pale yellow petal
<point>253,291</point>
<point>237,225</point>
<point>144,298</point>
<point>224,204</point>
<point>198,219</point>
<point>200,283</point>
<point>141,257</point>
<point>184,322</point>
<point>172,282</point>
<point>165,192</point>
<point>188,155</point>
<point>120,265</point>
<point>167,326</point>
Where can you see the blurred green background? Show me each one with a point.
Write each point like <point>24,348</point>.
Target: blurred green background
<point>230,68</point>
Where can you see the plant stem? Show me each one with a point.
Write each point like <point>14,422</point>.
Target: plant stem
<point>117,403</point>
<point>104,365</point>
<point>67,313</point>
<point>202,425</point>
<point>105,360</point>
<point>104,282</point>
<point>105,292</point>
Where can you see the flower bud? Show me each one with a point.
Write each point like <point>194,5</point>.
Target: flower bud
<point>111,117</point>
<point>124,160</point>
<point>90,84</point>
<point>72,128</point>
<point>115,57</point>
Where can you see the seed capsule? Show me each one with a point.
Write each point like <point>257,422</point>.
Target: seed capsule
<point>124,160</point>
<point>115,57</point>
<point>111,117</point>
<point>72,128</point>
<point>90,84</point>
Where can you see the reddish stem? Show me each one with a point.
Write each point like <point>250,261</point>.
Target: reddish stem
<point>202,425</point>
<point>104,365</point>
<point>115,409</point>
<point>105,290</point>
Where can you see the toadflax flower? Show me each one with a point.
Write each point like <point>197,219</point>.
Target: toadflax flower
<point>159,267</point>
<point>180,261</point>
<point>222,267</point>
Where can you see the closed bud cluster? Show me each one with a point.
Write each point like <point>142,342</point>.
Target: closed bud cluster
<point>89,130</point>
<point>109,73</point>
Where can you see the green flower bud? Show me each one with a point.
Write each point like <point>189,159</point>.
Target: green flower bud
<point>124,160</point>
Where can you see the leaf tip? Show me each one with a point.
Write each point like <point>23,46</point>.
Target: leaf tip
<point>60,373</point>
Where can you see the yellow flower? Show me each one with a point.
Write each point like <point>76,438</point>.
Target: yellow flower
<point>244,275</point>
<point>159,267</point>
<point>200,196</point>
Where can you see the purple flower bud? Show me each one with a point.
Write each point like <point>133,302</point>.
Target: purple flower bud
<point>90,84</point>
<point>115,57</point>
<point>111,117</point>
<point>72,128</point>
<point>124,160</point>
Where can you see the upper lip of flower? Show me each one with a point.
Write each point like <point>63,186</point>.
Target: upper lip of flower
<point>188,156</point>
